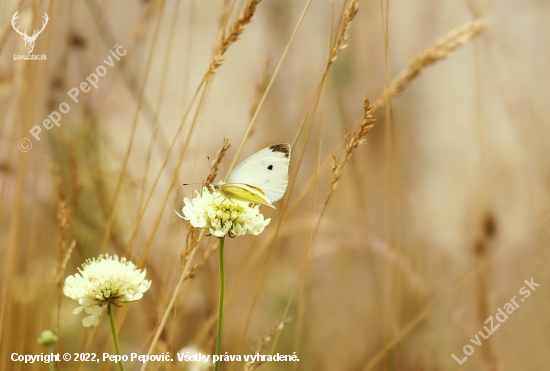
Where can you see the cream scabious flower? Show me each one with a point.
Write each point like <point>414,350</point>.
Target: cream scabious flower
<point>223,216</point>
<point>104,280</point>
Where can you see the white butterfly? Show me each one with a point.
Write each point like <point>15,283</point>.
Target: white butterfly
<point>262,178</point>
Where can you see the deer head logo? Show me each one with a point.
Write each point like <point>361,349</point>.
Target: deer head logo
<point>29,40</point>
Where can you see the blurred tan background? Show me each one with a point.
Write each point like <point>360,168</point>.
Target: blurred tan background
<point>436,222</point>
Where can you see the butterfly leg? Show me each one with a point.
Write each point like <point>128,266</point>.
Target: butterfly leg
<point>225,198</point>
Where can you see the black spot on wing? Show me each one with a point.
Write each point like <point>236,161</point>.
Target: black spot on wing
<point>270,167</point>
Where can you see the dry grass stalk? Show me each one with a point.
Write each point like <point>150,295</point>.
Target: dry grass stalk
<point>65,210</point>
<point>191,241</point>
<point>227,8</point>
<point>192,247</point>
<point>353,139</point>
<point>235,31</point>
<point>348,14</point>
<point>440,50</point>
<point>269,85</point>
<point>338,44</point>
<point>261,86</point>
<point>193,234</point>
<point>140,101</point>
<point>205,256</point>
<point>214,166</point>
<point>264,341</point>
<point>342,37</point>
<point>481,251</point>
<point>194,238</point>
<point>60,271</point>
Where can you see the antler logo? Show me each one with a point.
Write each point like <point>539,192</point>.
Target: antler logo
<point>29,40</point>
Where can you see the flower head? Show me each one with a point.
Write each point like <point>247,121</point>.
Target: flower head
<point>47,337</point>
<point>222,216</point>
<point>104,280</point>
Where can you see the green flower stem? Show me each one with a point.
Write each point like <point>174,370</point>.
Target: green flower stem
<point>115,338</point>
<point>52,366</point>
<point>220,307</point>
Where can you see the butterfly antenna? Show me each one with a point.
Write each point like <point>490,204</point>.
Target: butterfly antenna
<point>210,165</point>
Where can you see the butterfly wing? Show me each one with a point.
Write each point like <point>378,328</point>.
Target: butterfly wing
<point>245,192</point>
<point>266,169</point>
